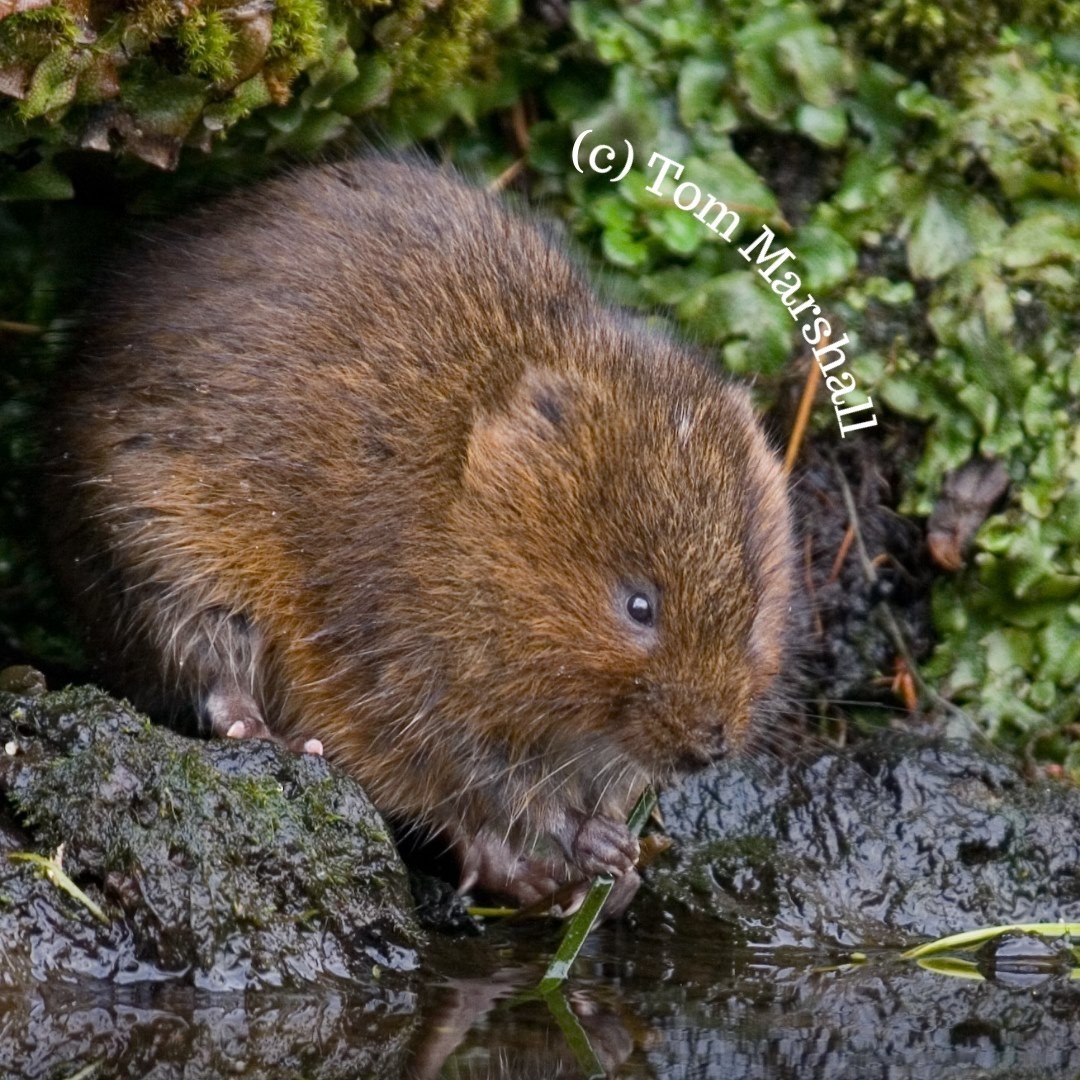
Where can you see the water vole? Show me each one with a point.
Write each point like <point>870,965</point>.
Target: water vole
<point>360,457</point>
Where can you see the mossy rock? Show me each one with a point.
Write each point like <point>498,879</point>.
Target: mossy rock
<point>226,865</point>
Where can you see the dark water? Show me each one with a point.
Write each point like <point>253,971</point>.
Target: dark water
<point>647,1003</point>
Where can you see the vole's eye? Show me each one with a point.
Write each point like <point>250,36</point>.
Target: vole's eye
<point>640,608</point>
<point>638,603</point>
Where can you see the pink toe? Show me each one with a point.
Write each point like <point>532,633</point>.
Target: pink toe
<point>237,730</point>
<point>313,746</point>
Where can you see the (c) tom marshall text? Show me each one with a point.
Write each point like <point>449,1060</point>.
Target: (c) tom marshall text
<point>816,331</point>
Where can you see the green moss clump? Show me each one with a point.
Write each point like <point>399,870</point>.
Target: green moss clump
<point>150,77</point>
<point>924,36</point>
<point>210,45</point>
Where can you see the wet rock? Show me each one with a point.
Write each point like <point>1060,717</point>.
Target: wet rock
<point>228,865</point>
<point>889,843</point>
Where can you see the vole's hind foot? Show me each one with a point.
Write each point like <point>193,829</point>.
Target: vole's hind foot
<point>234,714</point>
<point>601,845</point>
<point>491,864</point>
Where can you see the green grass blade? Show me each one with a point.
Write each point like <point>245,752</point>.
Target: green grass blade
<point>971,938</point>
<point>574,938</point>
<point>53,870</point>
<point>580,926</point>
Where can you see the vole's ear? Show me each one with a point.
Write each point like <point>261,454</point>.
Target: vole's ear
<point>538,412</point>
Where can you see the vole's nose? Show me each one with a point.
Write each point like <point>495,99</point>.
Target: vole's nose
<point>694,759</point>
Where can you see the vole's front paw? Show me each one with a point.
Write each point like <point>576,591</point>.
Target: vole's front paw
<point>235,715</point>
<point>604,846</point>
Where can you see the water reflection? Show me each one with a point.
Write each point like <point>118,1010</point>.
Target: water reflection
<point>650,1005</point>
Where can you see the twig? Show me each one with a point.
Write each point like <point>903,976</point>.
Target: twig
<point>507,176</point>
<point>802,417</point>
<point>841,555</point>
<point>891,625</point>
<point>20,327</point>
<point>519,123</point>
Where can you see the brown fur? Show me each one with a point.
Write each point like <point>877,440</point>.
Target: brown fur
<point>364,447</point>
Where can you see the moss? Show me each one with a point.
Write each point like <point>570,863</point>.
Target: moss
<point>928,36</point>
<point>208,43</point>
<point>83,77</point>
<point>295,41</point>
<point>29,36</point>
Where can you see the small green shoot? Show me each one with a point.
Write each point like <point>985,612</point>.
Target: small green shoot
<point>52,867</point>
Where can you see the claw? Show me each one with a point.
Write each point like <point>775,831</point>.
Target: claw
<point>234,714</point>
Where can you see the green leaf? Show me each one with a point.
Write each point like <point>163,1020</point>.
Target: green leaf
<point>740,312</point>
<point>825,126</point>
<point>826,258</point>
<point>679,231</point>
<point>700,85</point>
<point>43,181</point>
<point>53,85</point>
<point>821,70</point>
<point>1041,238</point>
<point>550,147</point>
<point>621,249</point>
<point>767,96</point>
<point>940,239</point>
<point>372,86</point>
